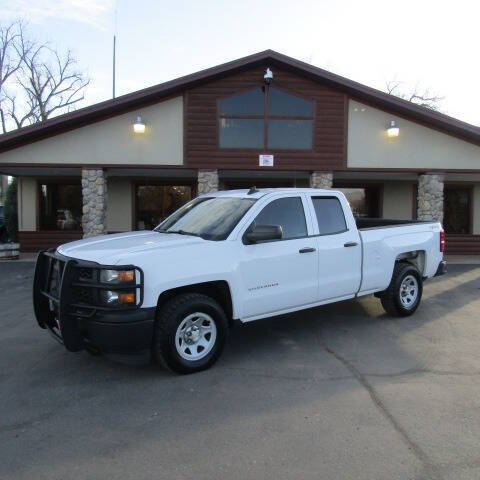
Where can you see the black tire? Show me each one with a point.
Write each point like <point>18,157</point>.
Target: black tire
<point>391,297</point>
<point>169,318</point>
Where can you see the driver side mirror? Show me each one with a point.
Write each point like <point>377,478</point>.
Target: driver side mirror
<point>262,233</point>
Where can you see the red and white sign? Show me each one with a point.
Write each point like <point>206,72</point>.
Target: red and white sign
<point>265,160</point>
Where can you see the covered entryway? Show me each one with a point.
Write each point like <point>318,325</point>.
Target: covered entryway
<point>140,198</point>
<point>54,204</point>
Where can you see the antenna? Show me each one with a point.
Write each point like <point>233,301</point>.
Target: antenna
<point>114,48</point>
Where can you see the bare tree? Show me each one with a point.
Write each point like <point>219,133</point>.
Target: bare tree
<point>42,81</point>
<point>424,97</point>
<point>10,62</point>
<point>52,82</point>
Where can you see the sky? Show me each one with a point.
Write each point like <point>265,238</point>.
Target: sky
<point>433,44</point>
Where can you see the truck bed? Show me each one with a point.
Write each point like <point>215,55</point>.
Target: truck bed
<point>383,240</point>
<point>371,223</point>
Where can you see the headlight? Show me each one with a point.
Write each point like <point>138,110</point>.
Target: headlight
<point>117,276</point>
<point>111,297</point>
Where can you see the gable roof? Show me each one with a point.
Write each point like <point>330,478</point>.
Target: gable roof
<point>150,95</point>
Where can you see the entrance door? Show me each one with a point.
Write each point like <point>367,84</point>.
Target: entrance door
<point>154,203</point>
<point>281,274</point>
<point>365,201</point>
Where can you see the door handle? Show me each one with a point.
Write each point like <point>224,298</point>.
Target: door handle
<point>307,250</point>
<point>350,244</point>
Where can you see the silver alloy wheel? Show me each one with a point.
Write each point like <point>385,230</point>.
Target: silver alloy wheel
<point>409,291</point>
<point>195,336</point>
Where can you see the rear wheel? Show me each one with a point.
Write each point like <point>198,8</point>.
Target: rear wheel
<point>404,293</point>
<point>190,333</point>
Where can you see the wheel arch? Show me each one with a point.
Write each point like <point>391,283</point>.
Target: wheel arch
<point>417,258</point>
<point>219,290</point>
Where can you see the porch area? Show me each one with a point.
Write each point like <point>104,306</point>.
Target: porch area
<point>58,205</point>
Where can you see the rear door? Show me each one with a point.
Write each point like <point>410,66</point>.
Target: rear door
<point>280,274</point>
<point>338,245</point>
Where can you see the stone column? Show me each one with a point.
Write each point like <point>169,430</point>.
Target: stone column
<point>207,181</point>
<point>94,193</point>
<point>430,197</point>
<point>321,179</point>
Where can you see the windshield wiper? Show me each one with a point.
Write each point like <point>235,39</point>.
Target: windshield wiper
<point>183,232</point>
<point>180,232</point>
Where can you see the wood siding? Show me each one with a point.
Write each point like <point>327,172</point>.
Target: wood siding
<point>462,244</point>
<point>201,124</point>
<point>36,241</point>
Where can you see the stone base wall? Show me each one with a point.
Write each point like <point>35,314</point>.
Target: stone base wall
<point>430,197</point>
<point>207,181</point>
<point>94,193</point>
<point>9,251</point>
<point>321,180</point>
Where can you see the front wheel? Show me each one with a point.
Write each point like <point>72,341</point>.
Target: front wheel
<point>190,333</point>
<point>404,293</point>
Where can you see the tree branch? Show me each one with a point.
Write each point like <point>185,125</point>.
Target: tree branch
<point>417,95</point>
<point>42,80</point>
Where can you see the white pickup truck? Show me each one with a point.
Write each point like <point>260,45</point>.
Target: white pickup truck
<point>172,293</point>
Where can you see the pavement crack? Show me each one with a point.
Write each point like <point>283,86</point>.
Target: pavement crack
<point>12,427</point>
<point>419,371</point>
<point>288,377</point>
<point>430,468</point>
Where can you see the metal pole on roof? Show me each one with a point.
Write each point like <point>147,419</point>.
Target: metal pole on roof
<point>114,48</point>
<point>114,42</point>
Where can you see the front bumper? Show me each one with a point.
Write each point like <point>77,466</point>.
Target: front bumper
<point>67,307</point>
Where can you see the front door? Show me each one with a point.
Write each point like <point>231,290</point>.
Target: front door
<point>280,274</point>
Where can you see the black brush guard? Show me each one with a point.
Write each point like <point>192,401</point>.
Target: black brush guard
<point>56,300</point>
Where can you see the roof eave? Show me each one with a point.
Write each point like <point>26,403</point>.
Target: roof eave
<point>125,103</point>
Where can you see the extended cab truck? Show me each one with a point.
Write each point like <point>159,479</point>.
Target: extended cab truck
<point>232,255</point>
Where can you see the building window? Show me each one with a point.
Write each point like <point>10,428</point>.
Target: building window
<point>457,210</point>
<point>154,203</point>
<point>241,133</point>
<point>266,118</point>
<point>60,206</point>
<point>365,202</point>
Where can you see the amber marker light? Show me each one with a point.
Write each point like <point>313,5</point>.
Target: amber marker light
<point>126,276</point>
<point>126,298</point>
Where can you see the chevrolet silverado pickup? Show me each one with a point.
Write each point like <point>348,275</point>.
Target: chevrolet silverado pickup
<point>172,293</point>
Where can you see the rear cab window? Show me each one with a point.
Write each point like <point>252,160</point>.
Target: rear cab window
<point>330,216</point>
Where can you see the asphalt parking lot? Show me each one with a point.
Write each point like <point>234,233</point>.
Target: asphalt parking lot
<point>339,392</point>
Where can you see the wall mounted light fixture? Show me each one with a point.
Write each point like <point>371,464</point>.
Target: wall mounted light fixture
<point>268,76</point>
<point>139,125</point>
<point>393,130</point>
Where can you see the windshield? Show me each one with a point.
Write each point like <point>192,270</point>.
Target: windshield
<point>210,218</point>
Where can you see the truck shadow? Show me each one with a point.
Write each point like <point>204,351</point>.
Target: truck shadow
<point>359,329</point>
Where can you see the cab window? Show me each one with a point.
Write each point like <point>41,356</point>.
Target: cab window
<point>329,213</point>
<point>286,212</point>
